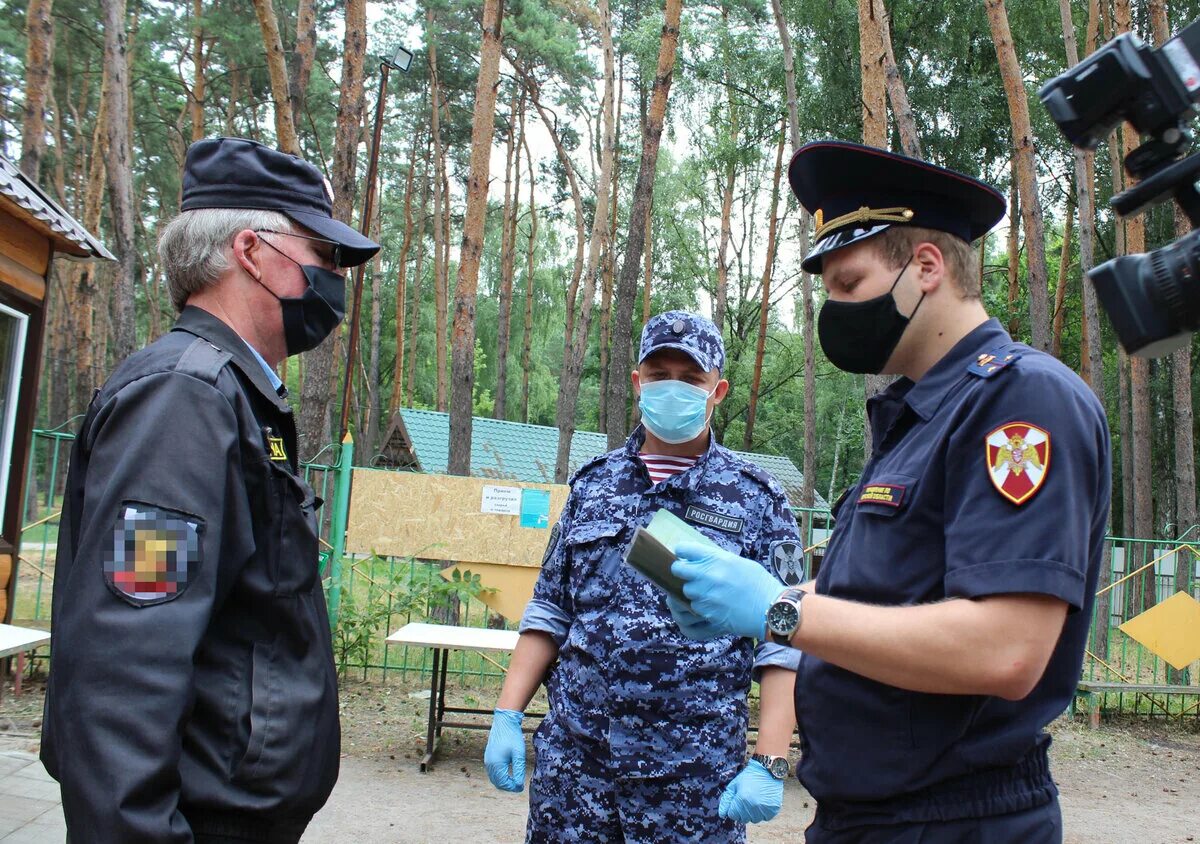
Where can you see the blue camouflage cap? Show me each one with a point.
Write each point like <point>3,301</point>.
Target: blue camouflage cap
<point>687,332</point>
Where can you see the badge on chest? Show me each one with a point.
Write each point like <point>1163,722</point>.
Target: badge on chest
<point>718,521</point>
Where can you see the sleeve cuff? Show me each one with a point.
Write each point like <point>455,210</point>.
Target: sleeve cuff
<point>771,655</point>
<point>546,617</point>
<point>1008,577</point>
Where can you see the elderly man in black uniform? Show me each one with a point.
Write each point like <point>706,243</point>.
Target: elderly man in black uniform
<point>946,627</point>
<point>192,693</point>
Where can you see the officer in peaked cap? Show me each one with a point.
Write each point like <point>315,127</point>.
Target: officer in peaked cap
<point>192,695</point>
<point>645,737</point>
<point>947,624</point>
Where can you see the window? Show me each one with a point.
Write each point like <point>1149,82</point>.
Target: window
<point>13,325</point>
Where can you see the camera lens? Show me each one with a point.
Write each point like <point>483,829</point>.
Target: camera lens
<point>1172,280</point>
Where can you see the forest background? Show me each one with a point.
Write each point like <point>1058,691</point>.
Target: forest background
<point>551,172</point>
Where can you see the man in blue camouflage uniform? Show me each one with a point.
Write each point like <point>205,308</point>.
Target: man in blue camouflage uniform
<point>646,730</point>
<point>946,627</point>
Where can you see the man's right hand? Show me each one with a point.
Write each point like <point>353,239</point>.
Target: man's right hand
<point>504,757</point>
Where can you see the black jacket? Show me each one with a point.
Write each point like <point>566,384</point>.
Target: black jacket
<point>192,689</point>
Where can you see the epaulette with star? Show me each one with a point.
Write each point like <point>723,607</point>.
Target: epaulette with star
<point>989,363</point>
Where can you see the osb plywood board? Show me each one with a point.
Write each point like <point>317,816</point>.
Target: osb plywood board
<point>440,517</point>
<point>513,585</point>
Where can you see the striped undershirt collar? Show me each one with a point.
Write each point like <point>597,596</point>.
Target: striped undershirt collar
<point>662,466</point>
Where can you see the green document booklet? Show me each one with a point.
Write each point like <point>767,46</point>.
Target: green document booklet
<point>653,550</point>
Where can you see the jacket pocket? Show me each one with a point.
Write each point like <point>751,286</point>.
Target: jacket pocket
<point>595,551</point>
<point>293,746</point>
<point>293,558</point>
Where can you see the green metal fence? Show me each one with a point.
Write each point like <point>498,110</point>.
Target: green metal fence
<point>369,596</point>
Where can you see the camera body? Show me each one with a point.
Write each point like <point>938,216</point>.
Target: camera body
<point>1153,299</point>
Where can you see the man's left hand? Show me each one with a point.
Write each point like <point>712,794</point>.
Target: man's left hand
<point>730,592</point>
<point>753,796</point>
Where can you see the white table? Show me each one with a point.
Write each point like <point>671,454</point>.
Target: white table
<point>443,638</point>
<point>17,641</point>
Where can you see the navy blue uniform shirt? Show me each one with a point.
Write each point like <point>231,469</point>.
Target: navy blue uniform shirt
<point>990,476</point>
<point>628,684</point>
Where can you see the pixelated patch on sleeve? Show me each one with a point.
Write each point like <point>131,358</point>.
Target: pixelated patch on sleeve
<point>154,554</point>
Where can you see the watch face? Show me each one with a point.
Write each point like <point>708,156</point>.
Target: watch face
<point>780,768</point>
<point>782,618</point>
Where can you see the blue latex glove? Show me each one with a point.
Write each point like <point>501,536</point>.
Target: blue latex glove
<point>730,592</point>
<point>692,625</point>
<point>505,749</point>
<point>753,796</point>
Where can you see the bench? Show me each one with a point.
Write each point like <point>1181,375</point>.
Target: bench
<point>1089,690</point>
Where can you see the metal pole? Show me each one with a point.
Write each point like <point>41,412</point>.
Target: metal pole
<point>341,511</point>
<point>360,270</point>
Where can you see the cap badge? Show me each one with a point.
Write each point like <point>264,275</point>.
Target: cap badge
<point>1018,460</point>
<point>678,327</point>
<point>819,219</point>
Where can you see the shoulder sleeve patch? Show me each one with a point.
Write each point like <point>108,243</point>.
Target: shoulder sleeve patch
<point>787,561</point>
<point>154,554</point>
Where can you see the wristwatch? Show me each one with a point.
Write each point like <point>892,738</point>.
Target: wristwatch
<point>783,616</point>
<point>777,766</point>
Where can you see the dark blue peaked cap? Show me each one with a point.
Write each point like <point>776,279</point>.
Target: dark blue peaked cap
<point>855,192</point>
<point>238,173</point>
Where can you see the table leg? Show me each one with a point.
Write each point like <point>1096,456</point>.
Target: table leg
<point>442,693</point>
<point>20,671</point>
<point>431,730</point>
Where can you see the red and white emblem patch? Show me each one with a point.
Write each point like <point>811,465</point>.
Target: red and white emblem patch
<point>1018,458</point>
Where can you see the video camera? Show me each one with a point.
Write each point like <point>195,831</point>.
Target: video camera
<point>1153,299</point>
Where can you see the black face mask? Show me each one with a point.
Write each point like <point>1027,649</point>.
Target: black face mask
<point>310,318</point>
<point>861,336</point>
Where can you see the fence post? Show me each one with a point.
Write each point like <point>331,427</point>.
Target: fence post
<point>341,510</point>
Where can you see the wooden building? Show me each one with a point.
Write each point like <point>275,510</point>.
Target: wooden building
<point>33,230</point>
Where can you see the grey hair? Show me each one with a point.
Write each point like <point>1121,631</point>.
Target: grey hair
<point>194,248</point>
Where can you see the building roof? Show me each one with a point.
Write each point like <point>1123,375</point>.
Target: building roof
<point>69,236</point>
<point>520,452</point>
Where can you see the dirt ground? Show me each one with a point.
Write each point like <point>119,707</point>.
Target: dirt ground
<point>1131,782</point>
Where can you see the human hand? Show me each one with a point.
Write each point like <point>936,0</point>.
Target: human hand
<point>692,625</point>
<point>730,592</point>
<point>505,749</point>
<point>753,796</point>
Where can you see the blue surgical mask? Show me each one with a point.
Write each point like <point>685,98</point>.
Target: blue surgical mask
<point>673,411</point>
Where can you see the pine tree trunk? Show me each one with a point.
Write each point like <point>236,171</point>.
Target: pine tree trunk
<point>301,66</point>
<point>1060,291</point>
<point>1023,148</point>
<point>568,392</point>
<point>463,406</point>
<point>320,367</point>
<point>120,177</point>
<point>402,281</point>
<point>414,331</point>
<point>1091,353</point>
<point>1139,386</point>
<point>721,297</point>
<point>1014,253</point>
<point>39,64</point>
<point>610,257</point>
<point>508,250</point>
<point>764,309</point>
<point>619,362</point>
<point>527,344</point>
<point>285,128</point>
<point>199,81</point>
<point>441,234</point>
<point>806,292</point>
<point>531,85</point>
<point>906,124</point>
<point>1185,477</point>
<point>871,54</point>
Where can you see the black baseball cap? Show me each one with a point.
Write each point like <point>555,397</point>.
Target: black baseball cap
<point>240,173</point>
<point>855,192</point>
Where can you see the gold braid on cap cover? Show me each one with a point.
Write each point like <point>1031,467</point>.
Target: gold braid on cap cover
<point>864,214</point>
